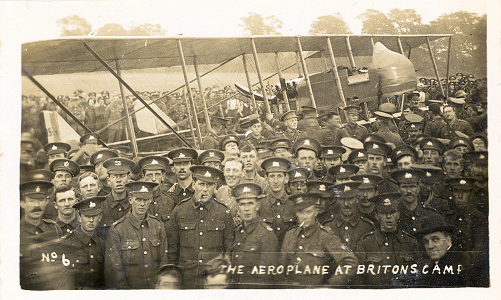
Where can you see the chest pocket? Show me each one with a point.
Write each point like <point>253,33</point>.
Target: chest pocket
<point>406,257</point>
<point>155,248</point>
<point>215,231</point>
<point>129,251</point>
<point>374,258</point>
<point>187,233</point>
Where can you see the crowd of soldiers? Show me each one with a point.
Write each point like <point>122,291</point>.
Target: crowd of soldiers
<point>401,202</point>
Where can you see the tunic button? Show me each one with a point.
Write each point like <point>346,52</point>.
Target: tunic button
<point>142,225</point>
<point>156,215</point>
<point>201,208</point>
<point>413,229</point>
<point>184,194</point>
<point>346,228</point>
<point>238,244</point>
<point>301,247</point>
<point>36,232</point>
<point>386,244</point>
<point>278,216</point>
<point>185,227</point>
<point>388,258</point>
<point>303,236</point>
<point>128,247</point>
<point>200,261</point>
<point>242,231</point>
<point>459,230</point>
<point>68,230</point>
<point>119,209</point>
<point>347,239</point>
<point>144,239</point>
<point>91,256</point>
<point>278,228</point>
<point>201,233</point>
<point>77,260</point>
<point>278,203</point>
<point>92,270</point>
<point>145,265</point>
<point>235,256</point>
<point>201,221</point>
<point>460,219</point>
<point>201,248</point>
<point>90,244</point>
<point>145,252</point>
<point>299,259</point>
<point>154,203</point>
<point>414,218</point>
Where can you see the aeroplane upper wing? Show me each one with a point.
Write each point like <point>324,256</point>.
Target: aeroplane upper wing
<point>68,55</point>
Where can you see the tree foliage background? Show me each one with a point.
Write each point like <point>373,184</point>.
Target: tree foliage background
<point>330,24</point>
<point>256,24</point>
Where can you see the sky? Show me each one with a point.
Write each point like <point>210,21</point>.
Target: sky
<point>213,18</point>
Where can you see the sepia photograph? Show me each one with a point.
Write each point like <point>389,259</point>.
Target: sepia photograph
<point>255,145</point>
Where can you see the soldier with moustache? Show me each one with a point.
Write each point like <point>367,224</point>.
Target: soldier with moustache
<point>136,246</point>
<point>325,199</point>
<point>291,133</point>
<point>377,154</point>
<point>182,160</point>
<point>276,209</point>
<point>311,244</point>
<point>97,159</point>
<point>479,171</point>
<point>298,181</point>
<point>63,171</point>
<point>201,228</point>
<point>255,243</point>
<point>117,202</point>
<point>366,190</point>
<point>342,173</point>
<point>153,169</point>
<point>348,224</point>
<point>212,158</point>
<point>433,149</point>
<point>431,187</point>
<point>331,156</point>
<point>387,245</point>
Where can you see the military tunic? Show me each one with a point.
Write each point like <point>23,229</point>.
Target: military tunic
<point>177,193</point>
<point>449,130</point>
<point>357,132</point>
<point>68,227</point>
<point>255,245</point>
<point>305,248</point>
<point>223,195</point>
<point>211,141</point>
<point>104,191</point>
<point>197,233</point>
<point>86,254</point>
<point>325,217</point>
<point>162,205</point>
<point>112,211</point>
<point>412,221</point>
<point>350,231</point>
<point>135,251</point>
<point>279,214</point>
<point>292,136</point>
<point>384,248</point>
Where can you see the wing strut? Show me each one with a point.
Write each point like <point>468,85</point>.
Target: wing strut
<point>447,78</point>
<point>133,92</point>
<point>199,81</point>
<point>254,104</point>
<point>190,95</point>
<point>130,127</point>
<point>283,85</point>
<point>305,71</point>
<point>260,76</point>
<point>55,100</point>
<point>434,65</point>
<point>336,73</point>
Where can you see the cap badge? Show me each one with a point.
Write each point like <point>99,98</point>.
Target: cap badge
<point>342,170</point>
<point>37,189</point>
<point>462,181</point>
<point>429,143</point>
<point>366,180</point>
<point>181,155</point>
<point>154,162</point>
<point>413,126</point>
<point>360,154</point>
<point>461,141</point>
<point>99,155</point>
<point>211,154</point>
<point>297,174</point>
<point>118,162</point>
<point>66,164</point>
<point>322,187</point>
<point>54,147</point>
<point>347,188</point>
<point>330,151</point>
<point>375,146</point>
<point>307,142</point>
<point>92,204</point>
<point>232,138</point>
<point>275,164</point>
<point>481,156</point>
<point>246,190</point>
<point>408,175</point>
<point>207,174</point>
<point>399,151</point>
<point>143,189</point>
<point>91,137</point>
<point>386,201</point>
<point>428,174</point>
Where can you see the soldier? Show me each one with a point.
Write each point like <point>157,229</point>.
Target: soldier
<point>387,245</point>
<point>460,144</point>
<point>183,159</point>
<point>433,127</point>
<point>453,164</point>
<point>307,151</point>
<point>136,246</point>
<point>255,243</point>
<point>348,224</point>
<point>200,227</point>
<point>342,173</point>
<point>331,156</point>
<point>117,202</point>
<point>91,142</point>
<point>275,208</point>
<point>453,125</point>
<point>377,154</point>
<point>352,128</point>
<point>432,150</point>
<point>297,181</point>
<point>310,246</point>
<point>86,247</point>
<point>63,170</point>
<point>404,156</point>
<point>432,190</point>
<point>154,168</point>
<point>281,147</point>
<point>479,171</point>
<point>89,184</point>
<point>170,277</point>
<point>366,190</point>
<point>412,127</point>
<point>358,158</point>
<point>233,170</point>
<point>310,126</point>
<point>412,212</point>
<point>34,199</point>
<point>333,133</point>
<point>229,144</point>
<point>97,159</point>
<point>66,217</point>
<point>248,155</point>
<point>291,133</point>
<point>255,136</point>
<point>212,158</point>
<point>384,129</point>
<point>57,150</point>
<point>325,214</point>
<point>218,129</point>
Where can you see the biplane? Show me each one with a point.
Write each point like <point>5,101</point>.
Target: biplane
<point>389,74</point>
